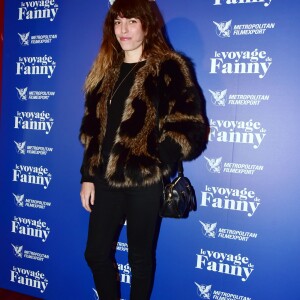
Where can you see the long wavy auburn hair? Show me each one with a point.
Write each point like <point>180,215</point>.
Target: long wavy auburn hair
<point>154,43</point>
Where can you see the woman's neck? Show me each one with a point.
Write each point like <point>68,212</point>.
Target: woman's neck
<point>132,57</point>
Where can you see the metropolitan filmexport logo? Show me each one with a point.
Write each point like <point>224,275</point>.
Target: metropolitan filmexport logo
<point>223,29</point>
<point>24,38</point>
<point>18,251</point>
<point>203,291</point>
<point>226,29</point>
<point>25,94</point>
<point>20,147</point>
<point>209,229</point>
<point>21,253</point>
<point>223,97</point>
<point>219,97</point>
<point>19,200</point>
<point>214,164</point>
<point>22,93</point>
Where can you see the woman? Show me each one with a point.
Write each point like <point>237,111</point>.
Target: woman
<point>143,112</point>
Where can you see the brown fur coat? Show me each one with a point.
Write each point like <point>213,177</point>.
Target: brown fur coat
<point>164,102</point>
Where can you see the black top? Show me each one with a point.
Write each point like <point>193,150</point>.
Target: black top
<point>115,109</point>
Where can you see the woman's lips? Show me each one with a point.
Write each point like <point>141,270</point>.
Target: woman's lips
<point>123,39</point>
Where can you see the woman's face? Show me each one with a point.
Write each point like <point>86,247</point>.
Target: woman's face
<point>130,35</point>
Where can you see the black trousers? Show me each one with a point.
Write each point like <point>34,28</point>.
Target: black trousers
<point>140,206</point>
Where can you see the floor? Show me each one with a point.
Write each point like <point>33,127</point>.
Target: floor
<point>9,295</point>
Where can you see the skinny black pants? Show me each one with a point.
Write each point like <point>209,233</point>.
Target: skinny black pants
<point>140,206</point>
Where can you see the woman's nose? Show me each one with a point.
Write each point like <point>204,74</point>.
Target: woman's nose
<point>124,27</point>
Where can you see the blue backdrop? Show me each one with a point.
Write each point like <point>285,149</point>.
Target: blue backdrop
<point>241,243</point>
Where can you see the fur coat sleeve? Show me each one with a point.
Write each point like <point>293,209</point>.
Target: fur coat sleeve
<point>182,119</point>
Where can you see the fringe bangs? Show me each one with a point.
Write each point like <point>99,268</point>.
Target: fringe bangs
<point>130,9</point>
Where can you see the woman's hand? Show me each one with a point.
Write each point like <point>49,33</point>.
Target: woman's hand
<point>87,195</point>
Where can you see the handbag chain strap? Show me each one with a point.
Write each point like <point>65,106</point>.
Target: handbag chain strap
<point>180,169</point>
<point>180,174</point>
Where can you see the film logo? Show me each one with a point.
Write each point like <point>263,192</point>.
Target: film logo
<point>25,277</point>
<point>241,62</point>
<point>204,291</point>
<point>36,121</point>
<point>38,10</point>
<point>221,2</point>
<point>225,29</point>
<point>30,227</point>
<point>210,230</point>
<point>225,263</point>
<point>21,253</point>
<point>32,175</point>
<point>23,149</point>
<point>232,199</point>
<point>221,98</point>
<point>215,165</point>
<point>24,94</point>
<point>36,66</point>
<point>21,201</point>
<point>26,39</point>
<point>238,132</point>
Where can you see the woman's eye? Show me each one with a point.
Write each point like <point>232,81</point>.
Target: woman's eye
<point>132,21</point>
<point>117,22</point>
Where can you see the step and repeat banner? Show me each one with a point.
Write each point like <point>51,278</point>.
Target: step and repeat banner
<point>242,241</point>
